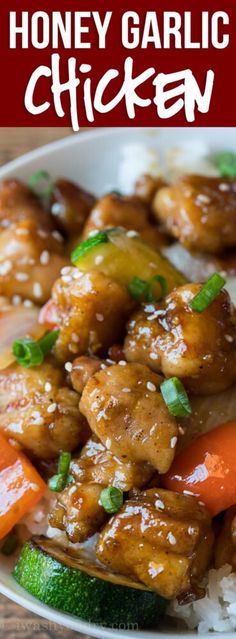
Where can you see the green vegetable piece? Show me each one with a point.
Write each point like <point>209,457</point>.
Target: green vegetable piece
<point>87,245</point>
<point>111,499</point>
<point>175,397</point>
<point>226,164</point>
<point>82,588</point>
<point>30,353</point>
<point>207,293</point>
<point>41,183</point>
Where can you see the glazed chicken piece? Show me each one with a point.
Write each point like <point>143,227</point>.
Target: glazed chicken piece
<point>30,260</point>
<point>39,411</point>
<point>161,538</point>
<point>225,551</point>
<point>127,212</point>
<point>125,409</point>
<point>147,186</point>
<point>200,212</point>
<point>18,203</point>
<point>78,511</point>
<point>198,348</point>
<point>82,369</point>
<point>92,311</point>
<point>70,206</point>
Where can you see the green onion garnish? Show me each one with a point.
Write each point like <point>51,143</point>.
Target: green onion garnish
<point>100,238</point>
<point>137,288</point>
<point>207,293</point>
<point>41,183</point>
<point>226,164</point>
<point>58,482</point>
<point>141,289</point>
<point>29,352</point>
<point>10,544</point>
<point>175,397</point>
<point>64,463</point>
<point>111,499</point>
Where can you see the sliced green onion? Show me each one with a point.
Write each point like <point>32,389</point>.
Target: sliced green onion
<point>100,238</point>
<point>30,353</point>
<point>207,293</point>
<point>226,164</point>
<point>139,288</point>
<point>47,342</point>
<point>175,397</point>
<point>41,183</point>
<point>111,499</point>
<point>57,483</point>
<point>64,463</point>
<point>150,297</point>
<point>27,352</point>
<point>10,544</point>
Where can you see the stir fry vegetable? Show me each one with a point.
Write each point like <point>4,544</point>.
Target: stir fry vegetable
<point>207,469</point>
<point>21,487</point>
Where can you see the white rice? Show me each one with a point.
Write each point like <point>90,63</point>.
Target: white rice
<point>138,159</point>
<point>217,610</point>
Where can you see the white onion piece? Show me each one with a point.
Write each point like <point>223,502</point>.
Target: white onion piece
<point>16,322</point>
<point>208,412</point>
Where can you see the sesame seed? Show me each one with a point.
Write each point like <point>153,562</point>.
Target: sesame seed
<point>42,233</point>
<point>57,236</point>
<point>224,187</point>
<point>126,390</point>
<point>44,257</point>
<point>77,274</point>
<point>171,538</point>
<point>153,355</point>
<point>151,387</point>
<point>92,233</point>
<point>5,267</point>
<point>16,299</point>
<point>173,442</point>
<point>122,362</point>
<point>21,231</point>
<point>65,270</point>
<point>159,504</point>
<point>21,277</point>
<point>28,303</point>
<point>190,530</point>
<point>99,317</point>
<point>203,199</point>
<point>37,289</point>
<point>132,233</point>
<point>108,443</point>
<point>75,338</point>
<point>48,387</point>
<point>229,338</point>
<point>66,278</point>
<point>99,259</point>
<point>188,492</point>
<point>52,408</point>
<point>56,208</point>
<point>181,430</point>
<point>68,367</point>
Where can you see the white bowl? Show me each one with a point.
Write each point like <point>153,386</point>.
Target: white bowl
<point>92,159</point>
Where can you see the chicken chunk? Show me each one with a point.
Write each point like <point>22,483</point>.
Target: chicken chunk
<point>225,551</point>
<point>160,538</point>
<point>78,510</point>
<point>82,369</point>
<point>30,261</point>
<point>147,186</point>
<point>39,411</point>
<point>200,212</point>
<point>198,348</point>
<point>125,409</point>
<point>92,310</point>
<point>123,211</point>
<point>18,203</point>
<point>70,205</point>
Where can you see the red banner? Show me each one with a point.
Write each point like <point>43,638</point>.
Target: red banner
<point>109,64</point>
